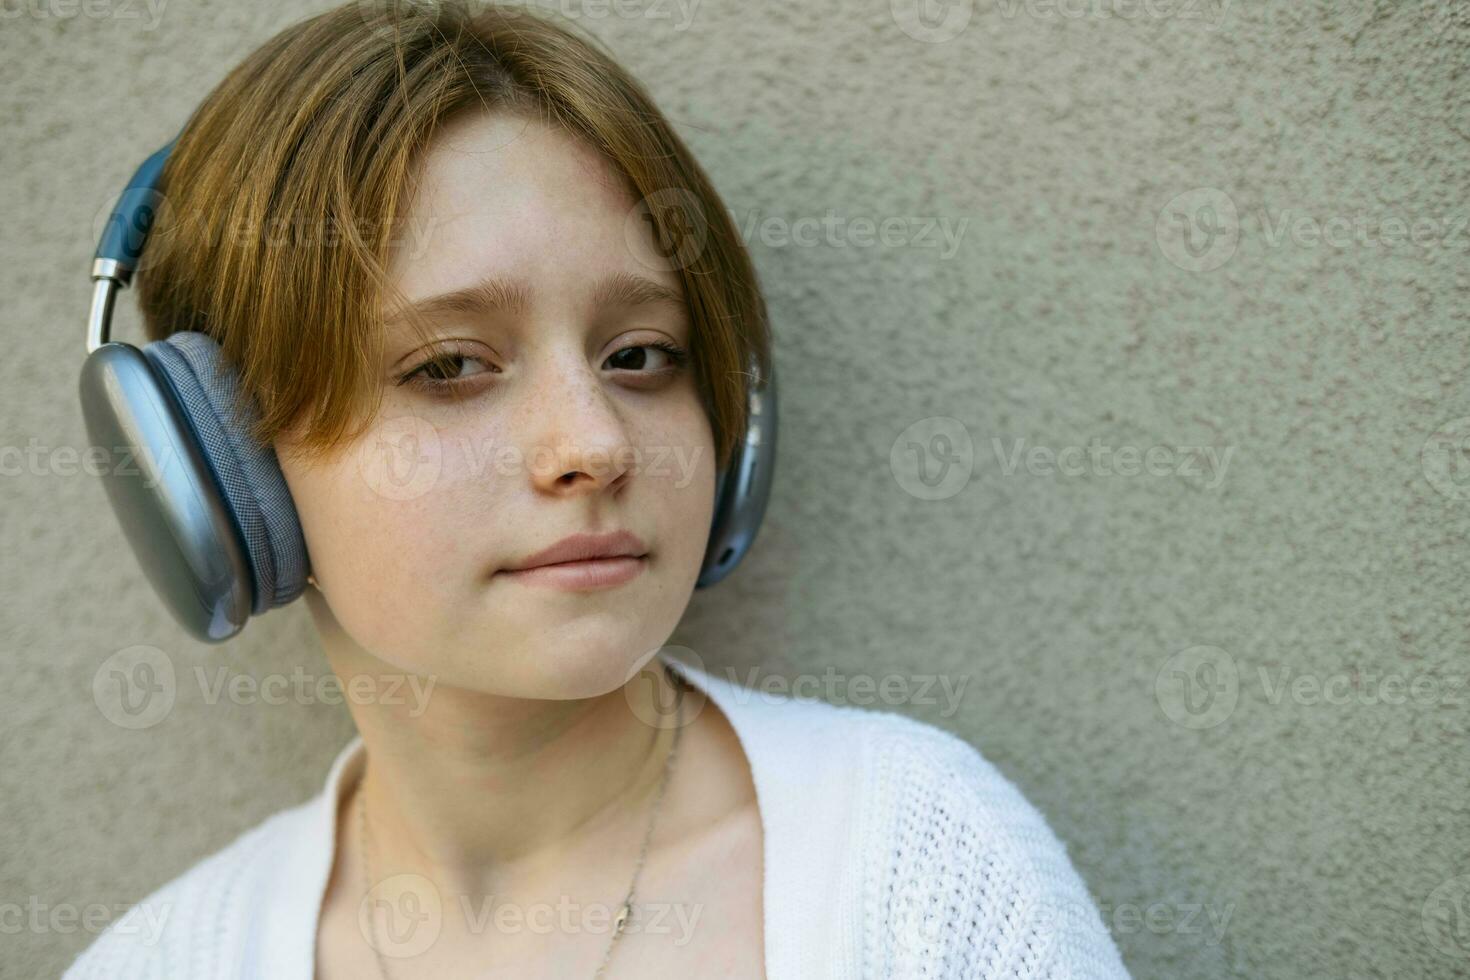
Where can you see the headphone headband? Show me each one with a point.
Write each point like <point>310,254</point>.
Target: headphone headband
<point>122,241</point>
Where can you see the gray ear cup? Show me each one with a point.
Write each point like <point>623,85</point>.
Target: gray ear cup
<point>207,514</point>
<point>165,494</point>
<point>743,487</point>
<point>248,475</point>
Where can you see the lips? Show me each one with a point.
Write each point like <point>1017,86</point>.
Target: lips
<point>589,575</point>
<point>582,548</point>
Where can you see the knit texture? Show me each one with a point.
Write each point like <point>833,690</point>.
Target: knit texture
<point>973,883</point>
<point>892,850</point>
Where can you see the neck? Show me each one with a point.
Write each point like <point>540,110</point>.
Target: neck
<point>478,788</point>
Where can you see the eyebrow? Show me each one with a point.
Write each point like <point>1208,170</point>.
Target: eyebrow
<point>503,294</point>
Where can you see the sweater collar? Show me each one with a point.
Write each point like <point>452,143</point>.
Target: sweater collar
<point>797,909</point>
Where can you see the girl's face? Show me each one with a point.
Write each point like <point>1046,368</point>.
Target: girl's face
<point>571,420</point>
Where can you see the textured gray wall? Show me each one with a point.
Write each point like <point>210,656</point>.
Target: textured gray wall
<point>1236,689</point>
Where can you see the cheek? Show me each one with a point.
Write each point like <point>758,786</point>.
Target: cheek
<point>388,537</point>
<point>683,485</point>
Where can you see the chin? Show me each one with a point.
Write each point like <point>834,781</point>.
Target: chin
<point>598,669</point>
<point>556,664</point>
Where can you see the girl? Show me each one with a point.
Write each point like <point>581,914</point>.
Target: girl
<point>495,323</point>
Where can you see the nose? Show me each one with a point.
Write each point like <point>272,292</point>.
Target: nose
<point>579,442</point>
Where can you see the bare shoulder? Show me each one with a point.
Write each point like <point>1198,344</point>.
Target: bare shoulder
<point>714,786</point>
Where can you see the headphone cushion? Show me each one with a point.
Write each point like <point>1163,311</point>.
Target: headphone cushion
<point>248,474</point>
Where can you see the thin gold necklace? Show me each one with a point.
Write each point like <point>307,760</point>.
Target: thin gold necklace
<point>624,912</point>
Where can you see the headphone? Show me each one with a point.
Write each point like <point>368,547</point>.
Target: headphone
<point>207,511</point>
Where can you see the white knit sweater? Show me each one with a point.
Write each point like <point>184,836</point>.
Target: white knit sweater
<point>893,849</point>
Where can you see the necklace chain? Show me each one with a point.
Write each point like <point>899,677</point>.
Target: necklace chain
<point>625,910</point>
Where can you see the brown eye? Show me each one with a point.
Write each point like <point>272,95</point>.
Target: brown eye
<point>634,359</point>
<point>445,371</point>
